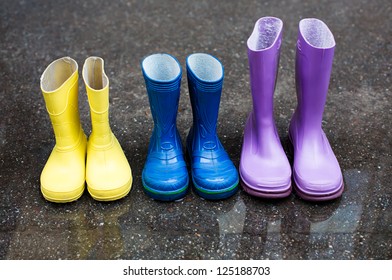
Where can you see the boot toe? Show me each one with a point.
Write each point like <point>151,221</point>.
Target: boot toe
<point>165,182</point>
<point>317,173</point>
<point>109,187</point>
<point>62,195</point>
<point>108,173</point>
<point>318,184</point>
<point>216,182</point>
<point>268,178</point>
<point>63,177</point>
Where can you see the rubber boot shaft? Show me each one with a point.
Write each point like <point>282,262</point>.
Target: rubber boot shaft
<point>316,171</point>
<point>165,176</point>
<point>63,176</point>
<point>264,167</point>
<point>108,173</point>
<point>213,173</point>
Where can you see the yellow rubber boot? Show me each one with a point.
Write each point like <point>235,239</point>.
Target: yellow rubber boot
<point>63,177</point>
<point>108,174</point>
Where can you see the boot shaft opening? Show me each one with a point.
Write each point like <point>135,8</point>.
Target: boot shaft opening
<point>265,33</point>
<point>94,74</point>
<point>205,67</point>
<point>57,73</point>
<point>161,67</point>
<point>316,33</point>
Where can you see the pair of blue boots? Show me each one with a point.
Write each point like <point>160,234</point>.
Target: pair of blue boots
<point>165,174</point>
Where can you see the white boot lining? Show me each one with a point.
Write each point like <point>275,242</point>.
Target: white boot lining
<point>161,67</point>
<point>205,67</point>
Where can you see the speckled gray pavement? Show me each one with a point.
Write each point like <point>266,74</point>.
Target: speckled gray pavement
<point>357,121</point>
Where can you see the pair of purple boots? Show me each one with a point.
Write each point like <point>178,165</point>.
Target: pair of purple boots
<point>264,168</point>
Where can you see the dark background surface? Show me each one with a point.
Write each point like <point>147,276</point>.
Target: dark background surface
<point>357,121</point>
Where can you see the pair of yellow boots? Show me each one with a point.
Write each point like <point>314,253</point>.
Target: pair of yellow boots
<point>106,169</point>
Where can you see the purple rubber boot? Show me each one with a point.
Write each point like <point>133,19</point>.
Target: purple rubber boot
<point>264,168</point>
<point>316,171</point>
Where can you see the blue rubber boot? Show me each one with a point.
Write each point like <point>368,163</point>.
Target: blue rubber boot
<point>165,175</point>
<point>214,175</point>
